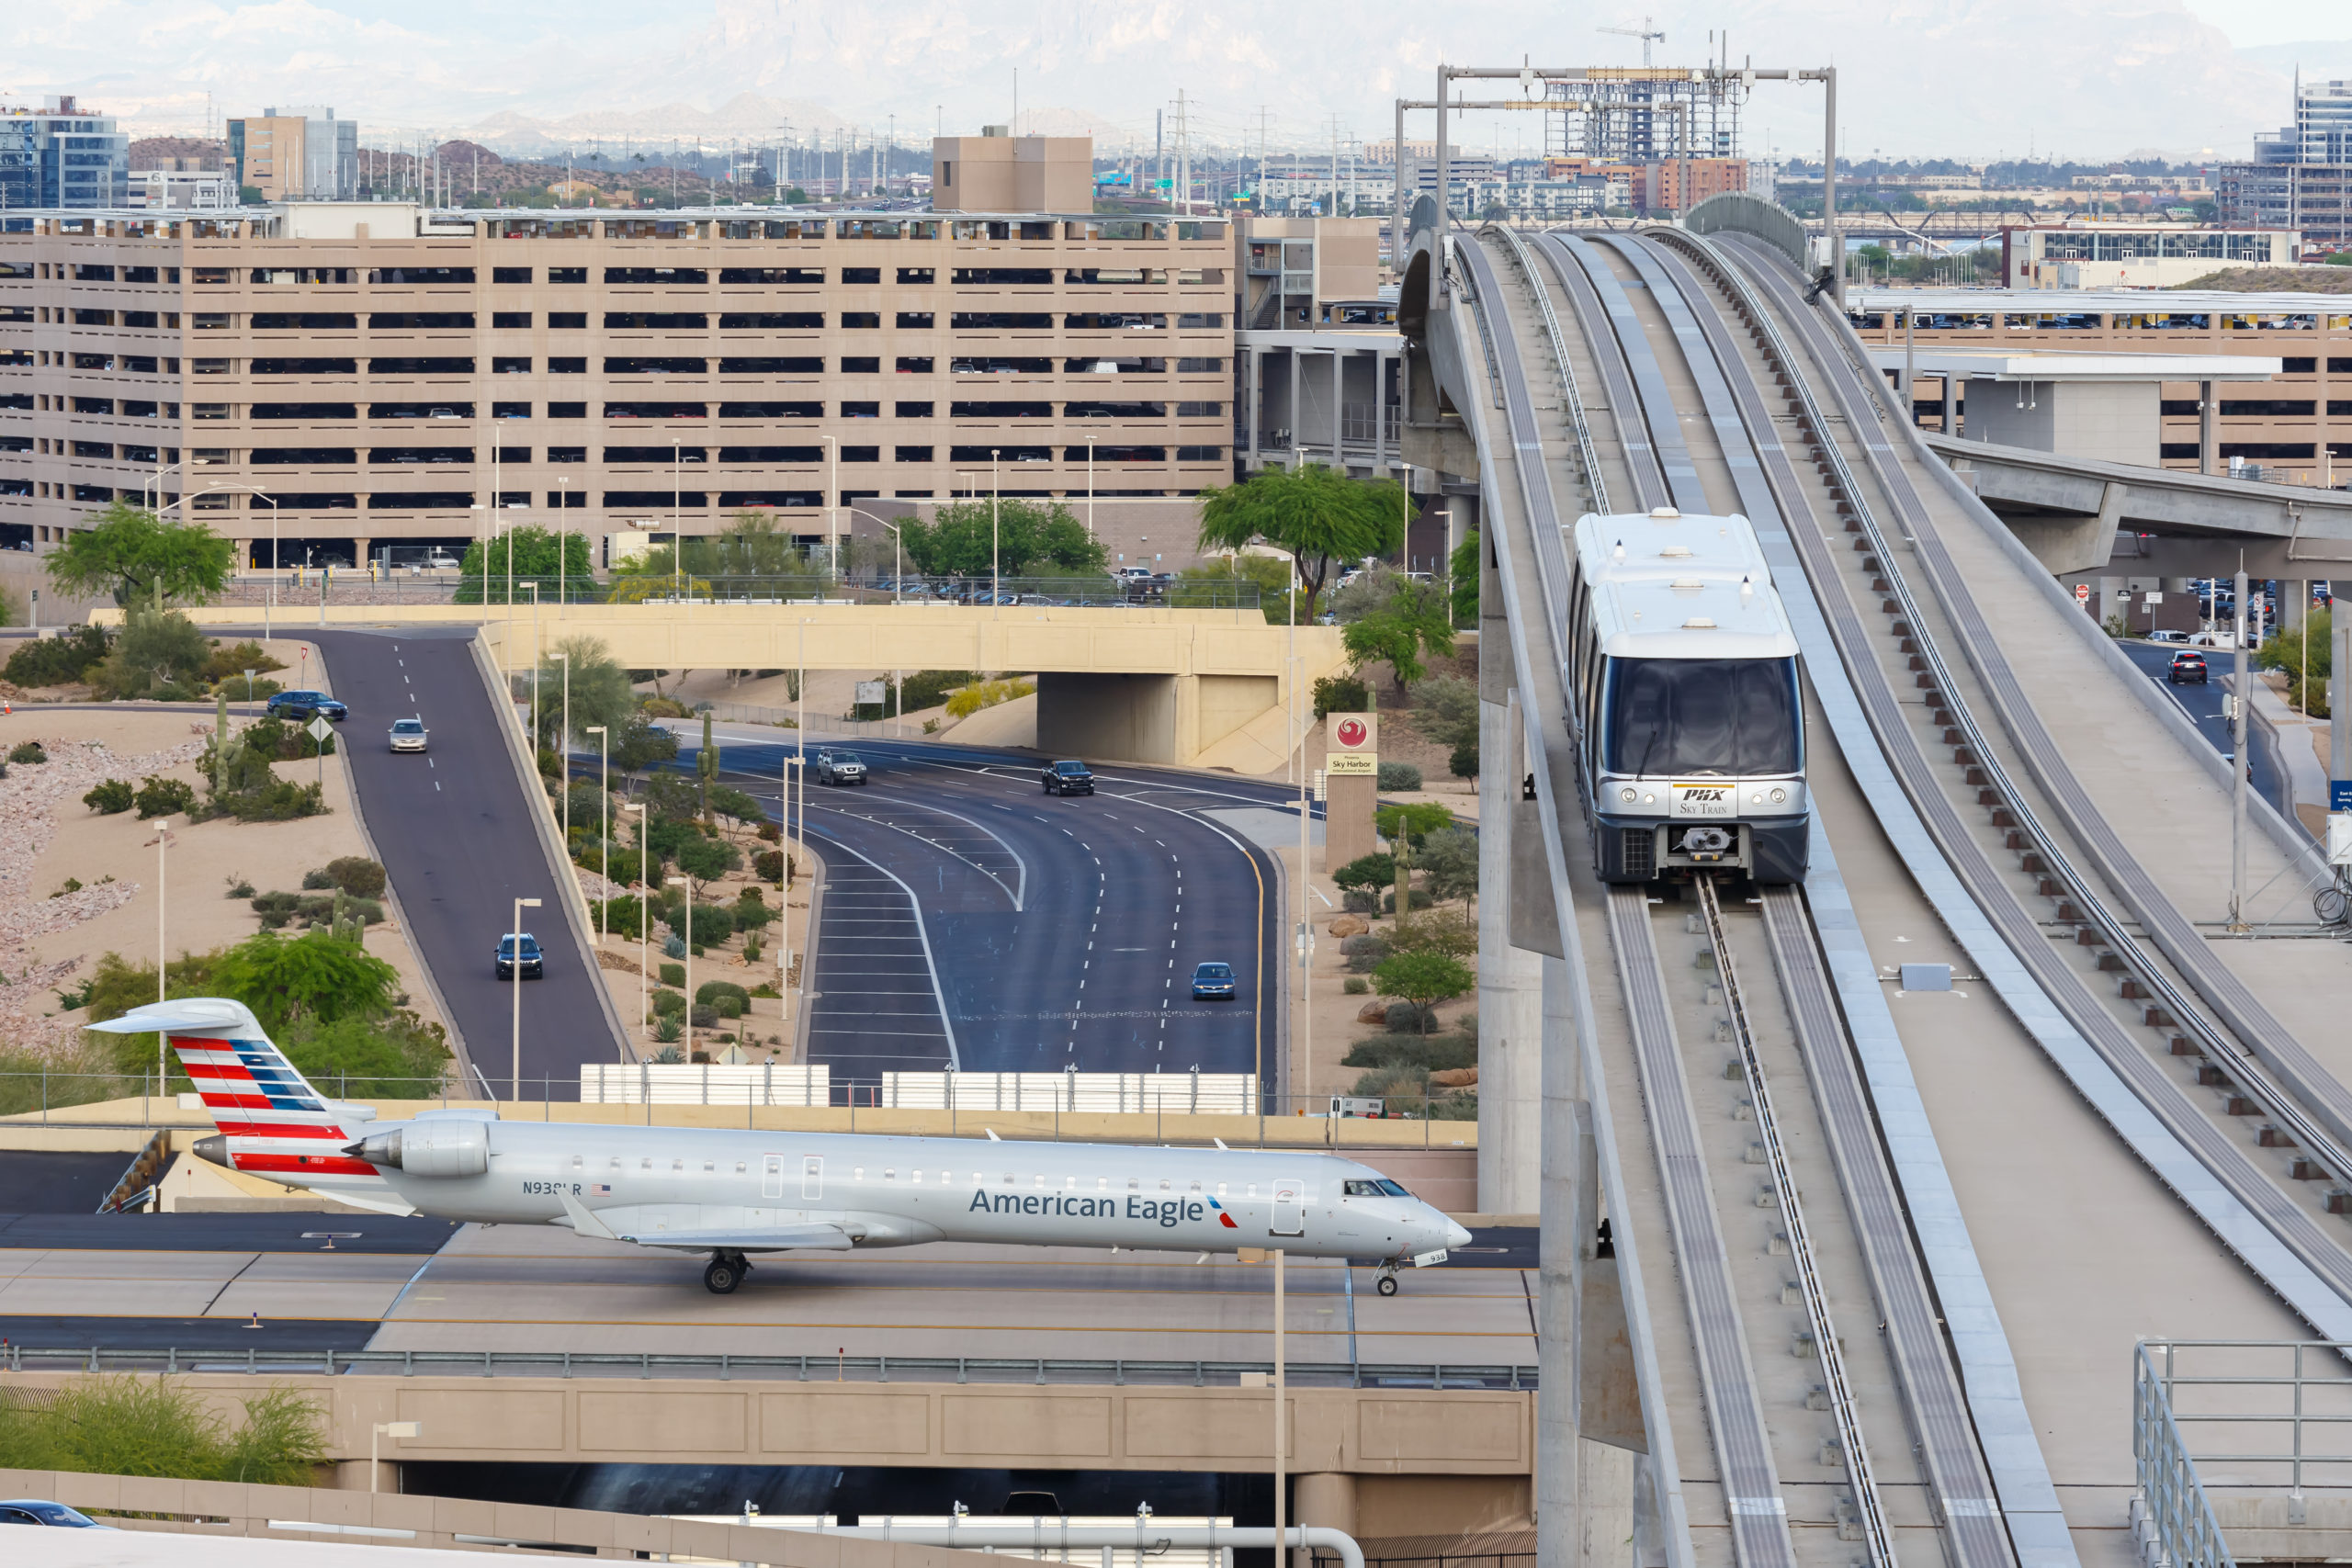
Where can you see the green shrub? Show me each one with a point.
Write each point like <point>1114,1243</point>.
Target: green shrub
<point>750,917</point>
<point>1399,776</point>
<point>1355,986</point>
<point>165,797</point>
<point>57,660</point>
<point>356,874</point>
<point>1403,1018</point>
<point>157,1426</point>
<point>1342,694</point>
<point>669,1002</point>
<point>768,865</point>
<point>110,798</point>
<point>668,1030</point>
<point>1420,901</point>
<point>671,973</point>
<point>28,751</point>
<point>929,688</point>
<point>674,946</point>
<point>1462,763</point>
<point>706,1018</point>
<point>317,880</point>
<point>239,886</point>
<point>714,992</point>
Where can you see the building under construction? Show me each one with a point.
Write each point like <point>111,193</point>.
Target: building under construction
<point>1645,114</point>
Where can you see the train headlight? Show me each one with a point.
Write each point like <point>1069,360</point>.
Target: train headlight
<point>1649,800</point>
<point>1628,796</point>
<point>1756,799</point>
<point>1780,796</point>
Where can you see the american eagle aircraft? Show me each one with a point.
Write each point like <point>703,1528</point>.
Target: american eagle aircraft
<point>729,1194</point>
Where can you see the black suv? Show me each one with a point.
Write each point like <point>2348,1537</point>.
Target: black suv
<point>2185,668</point>
<point>533,962</point>
<point>1068,778</point>
<point>302,705</point>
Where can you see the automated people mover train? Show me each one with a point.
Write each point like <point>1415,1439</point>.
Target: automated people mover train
<point>1681,673</point>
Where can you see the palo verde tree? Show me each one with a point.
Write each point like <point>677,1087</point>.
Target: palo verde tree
<point>1322,517</point>
<point>524,554</point>
<point>133,554</point>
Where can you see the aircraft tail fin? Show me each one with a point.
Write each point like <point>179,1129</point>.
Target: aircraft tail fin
<point>273,1122</point>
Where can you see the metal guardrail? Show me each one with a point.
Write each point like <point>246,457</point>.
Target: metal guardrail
<point>819,1368</point>
<point>351,586</point>
<point>2170,1513</point>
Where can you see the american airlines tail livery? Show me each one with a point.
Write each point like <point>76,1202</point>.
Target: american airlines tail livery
<point>729,1194</point>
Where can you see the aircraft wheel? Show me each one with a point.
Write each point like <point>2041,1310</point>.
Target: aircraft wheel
<point>722,1276</point>
<point>1388,1284</point>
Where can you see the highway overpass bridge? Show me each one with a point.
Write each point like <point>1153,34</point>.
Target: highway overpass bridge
<point>1193,688</point>
<point>1882,1255</point>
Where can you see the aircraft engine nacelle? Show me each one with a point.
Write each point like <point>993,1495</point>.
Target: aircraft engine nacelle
<point>434,1148</point>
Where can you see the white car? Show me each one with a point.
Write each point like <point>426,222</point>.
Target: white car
<point>408,735</point>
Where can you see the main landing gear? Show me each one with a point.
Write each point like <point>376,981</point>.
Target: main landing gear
<point>725,1272</point>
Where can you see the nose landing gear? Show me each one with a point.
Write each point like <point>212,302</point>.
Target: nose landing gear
<point>725,1272</point>
<point>1386,1283</point>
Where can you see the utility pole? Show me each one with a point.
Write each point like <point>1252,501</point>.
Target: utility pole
<point>2242,708</point>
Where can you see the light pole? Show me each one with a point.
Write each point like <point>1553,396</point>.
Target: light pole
<point>832,499</point>
<point>1089,488</point>
<point>387,1429</point>
<point>537,656</point>
<point>996,577</point>
<point>270,589</point>
<point>677,519</point>
<point>515,936</point>
<point>897,548</point>
<point>688,897</point>
<point>604,826</point>
<point>644,917</point>
<point>163,970</point>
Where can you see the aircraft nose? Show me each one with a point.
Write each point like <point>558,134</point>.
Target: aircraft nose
<point>1456,1235</point>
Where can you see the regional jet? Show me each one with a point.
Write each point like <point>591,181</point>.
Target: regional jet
<point>727,1194</point>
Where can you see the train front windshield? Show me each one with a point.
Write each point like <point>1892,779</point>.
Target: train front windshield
<point>1689,717</point>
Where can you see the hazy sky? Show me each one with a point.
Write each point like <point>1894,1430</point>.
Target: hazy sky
<point>2089,78</point>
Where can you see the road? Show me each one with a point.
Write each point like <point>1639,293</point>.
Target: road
<point>2203,706</point>
<point>455,831</point>
<point>969,919</point>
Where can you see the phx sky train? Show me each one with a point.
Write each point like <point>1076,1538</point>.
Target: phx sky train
<point>1681,673</point>
<point>730,1194</point>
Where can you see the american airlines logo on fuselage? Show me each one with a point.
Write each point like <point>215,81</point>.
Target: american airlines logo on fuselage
<point>1167,1211</point>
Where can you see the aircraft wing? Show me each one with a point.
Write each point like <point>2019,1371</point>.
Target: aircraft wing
<point>677,1226</point>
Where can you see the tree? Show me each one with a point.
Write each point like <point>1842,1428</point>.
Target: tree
<point>600,693</point>
<point>640,743</point>
<point>1449,859</point>
<point>707,860</point>
<point>2307,655</point>
<point>530,552</point>
<point>314,976</point>
<point>1321,517</point>
<point>133,554</point>
<point>158,654</point>
<point>1464,566</point>
<point>1445,708</point>
<point>1366,874</point>
<point>736,805</point>
<point>1415,822</point>
<point>1415,620</point>
<point>1423,979</point>
<point>968,538</point>
<point>1224,583</point>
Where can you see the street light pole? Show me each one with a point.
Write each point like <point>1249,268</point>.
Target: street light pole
<point>644,917</point>
<point>515,936</point>
<point>996,569</point>
<point>163,968</point>
<point>2238,762</point>
<point>563,748</point>
<point>603,824</point>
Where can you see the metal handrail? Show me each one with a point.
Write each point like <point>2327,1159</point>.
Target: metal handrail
<point>879,1368</point>
<point>2170,1498</point>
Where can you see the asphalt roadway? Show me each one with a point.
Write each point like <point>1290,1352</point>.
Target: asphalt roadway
<point>970,920</point>
<point>540,1288</point>
<point>2202,703</point>
<point>456,834</point>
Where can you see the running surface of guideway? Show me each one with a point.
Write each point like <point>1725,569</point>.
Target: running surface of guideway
<point>969,921</point>
<point>1686,397</point>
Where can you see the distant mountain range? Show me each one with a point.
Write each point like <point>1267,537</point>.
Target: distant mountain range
<point>1955,78</point>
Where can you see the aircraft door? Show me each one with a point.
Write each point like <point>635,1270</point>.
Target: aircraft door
<point>772,1176</point>
<point>812,1177</point>
<point>1290,1210</point>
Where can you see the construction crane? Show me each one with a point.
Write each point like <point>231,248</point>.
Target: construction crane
<point>1646,32</point>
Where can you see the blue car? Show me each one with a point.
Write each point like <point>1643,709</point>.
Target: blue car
<point>533,962</point>
<point>1213,982</point>
<point>40,1511</point>
<point>307,705</point>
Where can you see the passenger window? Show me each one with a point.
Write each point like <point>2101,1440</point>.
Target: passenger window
<point>1220,1188</point>
<point>708,1165</point>
<point>739,1168</point>
<point>1039,1181</point>
<point>1253,1190</point>
<point>1196,1187</point>
<point>1102,1184</point>
<point>915,1177</point>
<point>1133,1185</point>
<point>678,1164</point>
<point>1163,1184</point>
<point>1009,1178</point>
<point>575,1162</point>
<point>1069,1182</point>
<point>645,1165</point>
<point>857,1174</point>
<point>888,1175</point>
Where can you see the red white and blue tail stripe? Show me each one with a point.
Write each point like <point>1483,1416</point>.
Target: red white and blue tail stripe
<point>274,1123</point>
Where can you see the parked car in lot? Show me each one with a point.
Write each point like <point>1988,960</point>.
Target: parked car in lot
<point>2167,637</point>
<point>40,1511</point>
<point>2187,668</point>
<point>1213,982</point>
<point>523,949</point>
<point>1068,778</point>
<point>303,705</point>
<point>408,735</point>
<point>839,768</point>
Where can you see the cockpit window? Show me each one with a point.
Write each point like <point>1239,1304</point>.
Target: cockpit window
<point>1393,1188</point>
<point>1365,1190</point>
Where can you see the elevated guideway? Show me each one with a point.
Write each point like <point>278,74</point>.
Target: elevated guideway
<point>1967,808</point>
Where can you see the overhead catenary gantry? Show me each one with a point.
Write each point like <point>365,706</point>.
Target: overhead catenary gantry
<point>1607,91</point>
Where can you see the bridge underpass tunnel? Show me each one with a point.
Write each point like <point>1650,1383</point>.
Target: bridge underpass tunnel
<point>1156,718</point>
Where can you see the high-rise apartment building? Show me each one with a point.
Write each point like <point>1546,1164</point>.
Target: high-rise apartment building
<point>61,155</point>
<point>2301,178</point>
<point>296,154</point>
<point>358,374</point>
